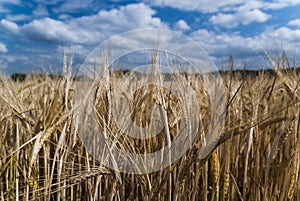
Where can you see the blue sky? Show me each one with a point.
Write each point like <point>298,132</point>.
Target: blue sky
<point>35,33</point>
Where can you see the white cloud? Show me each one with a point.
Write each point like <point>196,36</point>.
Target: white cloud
<point>209,6</point>
<point>50,30</point>
<point>229,13</point>
<point>220,46</point>
<point>11,26</point>
<point>284,35</point>
<point>65,17</point>
<point>244,17</point>
<point>279,4</point>
<point>226,20</point>
<point>79,34</point>
<point>94,28</point>
<point>205,6</point>
<point>182,25</point>
<point>254,15</point>
<point>18,17</point>
<point>295,22</point>
<point>3,48</point>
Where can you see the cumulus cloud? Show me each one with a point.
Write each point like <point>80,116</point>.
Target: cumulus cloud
<point>76,34</point>
<point>93,28</point>
<point>279,4</point>
<point>18,17</point>
<point>182,25</point>
<point>229,13</point>
<point>205,6</point>
<point>295,22</point>
<point>285,35</point>
<point>208,6</point>
<point>220,45</point>
<point>80,34</point>
<point>11,26</point>
<point>49,30</point>
<point>226,20</point>
<point>242,17</point>
<point>223,44</point>
<point>3,48</point>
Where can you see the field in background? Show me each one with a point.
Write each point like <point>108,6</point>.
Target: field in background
<point>256,158</point>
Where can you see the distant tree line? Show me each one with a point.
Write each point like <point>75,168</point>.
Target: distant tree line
<point>18,77</point>
<point>239,73</point>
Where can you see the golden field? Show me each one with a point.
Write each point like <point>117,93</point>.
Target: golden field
<point>256,157</point>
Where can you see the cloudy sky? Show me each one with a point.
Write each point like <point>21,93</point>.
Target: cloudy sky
<point>35,33</point>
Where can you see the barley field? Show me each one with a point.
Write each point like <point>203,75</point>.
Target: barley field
<point>256,157</point>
